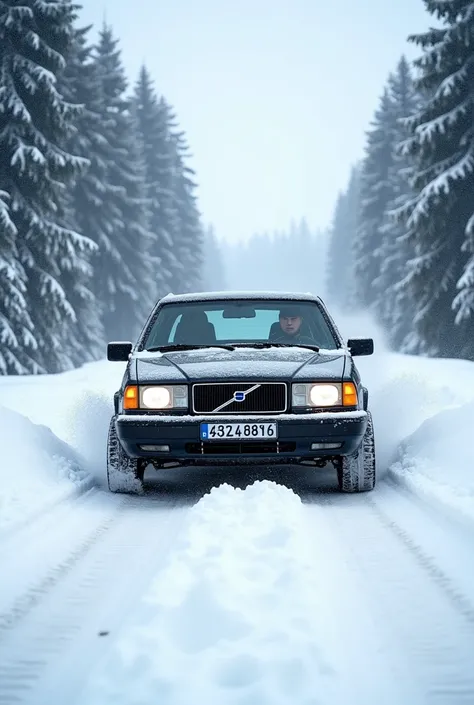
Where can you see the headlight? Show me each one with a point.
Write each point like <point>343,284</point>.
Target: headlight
<point>164,397</point>
<point>153,396</point>
<point>324,394</point>
<point>156,398</point>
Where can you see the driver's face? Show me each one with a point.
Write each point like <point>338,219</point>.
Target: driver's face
<point>290,324</point>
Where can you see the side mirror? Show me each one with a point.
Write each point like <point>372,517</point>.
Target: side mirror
<point>119,352</point>
<point>361,346</point>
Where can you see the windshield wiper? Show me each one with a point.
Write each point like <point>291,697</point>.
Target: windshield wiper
<point>297,345</point>
<point>183,346</point>
<point>253,345</point>
<point>261,346</point>
<point>276,345</point>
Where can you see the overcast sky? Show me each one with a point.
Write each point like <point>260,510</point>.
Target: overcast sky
<point>274,95</point>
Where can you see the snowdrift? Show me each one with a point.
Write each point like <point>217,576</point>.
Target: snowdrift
<point>37,468</point>
<point>438,459</point>
<point>234,610</point>
<point>423,411</point>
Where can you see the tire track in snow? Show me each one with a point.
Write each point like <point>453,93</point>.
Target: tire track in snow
<point>429,562</point>
<point>47,518</point>
<point>14,608</point>
<point>76,494</point>
<point>429,620</point>
<point>66,628</point>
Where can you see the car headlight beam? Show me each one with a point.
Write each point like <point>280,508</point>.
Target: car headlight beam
<point>323,395</point>
<point>162,397</point>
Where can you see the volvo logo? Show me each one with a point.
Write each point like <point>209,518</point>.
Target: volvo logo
<point>236,397</point>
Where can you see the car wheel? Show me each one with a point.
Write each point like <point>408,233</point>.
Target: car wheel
<point>356,472</point>
<point>124,474</point>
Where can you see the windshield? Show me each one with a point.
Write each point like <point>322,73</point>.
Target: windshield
<point>241,322</point>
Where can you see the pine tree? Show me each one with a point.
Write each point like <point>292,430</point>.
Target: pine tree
<point>439,220</point>
<point>213,274</point>
<point>152,121</point>
<point>79,85</point>
<point>340,263</point>
<point>35,168</point>
<point>125,270</point>
<point>394,303</point>
<point>375,195</point>
<point>283,260</point>
<point>15,323</point>
<point>188,232</point>
<point>304,249</point>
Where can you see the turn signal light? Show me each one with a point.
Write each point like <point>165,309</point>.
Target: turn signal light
<point>130,397</point>
<point>349,394</point>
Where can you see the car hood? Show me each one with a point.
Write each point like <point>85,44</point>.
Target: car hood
<point>239,365</point>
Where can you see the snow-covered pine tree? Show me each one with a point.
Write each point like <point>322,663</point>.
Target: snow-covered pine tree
<point>126,272</point>
<point>79,85</point>
<point>439,220</point>
<point>394,303</point>
<point>304,248</point>
<point>340,263</point>
<point>282,260</point>
<point>213,274</point>
<point>337,240</point>
<point>16,338</point>
<point>188,234</point>
<point>35,169</point>
<point>375,195</point>
<point>152,122</point>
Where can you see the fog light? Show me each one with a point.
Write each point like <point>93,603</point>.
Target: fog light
<point>325,446</point>
<point>155,449</point>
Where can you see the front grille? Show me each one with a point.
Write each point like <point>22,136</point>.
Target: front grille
<point>266,398</point>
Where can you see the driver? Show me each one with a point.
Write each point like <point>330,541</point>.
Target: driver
<point>290,319</point>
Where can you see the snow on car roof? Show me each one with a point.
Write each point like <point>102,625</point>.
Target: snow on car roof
<point>232,295</point>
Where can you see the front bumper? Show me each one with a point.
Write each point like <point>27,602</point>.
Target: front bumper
<point>296,434</point>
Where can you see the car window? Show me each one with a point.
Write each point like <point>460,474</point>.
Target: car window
<point>244,328</point>
<point>205,323</point>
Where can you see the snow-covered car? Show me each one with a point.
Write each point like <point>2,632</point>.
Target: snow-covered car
<point>238,378</point>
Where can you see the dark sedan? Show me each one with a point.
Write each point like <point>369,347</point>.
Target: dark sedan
<point>240,378</point>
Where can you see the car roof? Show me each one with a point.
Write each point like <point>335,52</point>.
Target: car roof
<point>242,295</point>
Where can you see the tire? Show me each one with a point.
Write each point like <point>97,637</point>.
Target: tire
<point>124,474</point>
<point>357,472</point>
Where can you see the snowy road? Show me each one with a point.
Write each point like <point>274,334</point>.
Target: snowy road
<point>73,573</point>
<point>255,596</point>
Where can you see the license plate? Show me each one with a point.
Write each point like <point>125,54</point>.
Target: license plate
<point>239,431</point>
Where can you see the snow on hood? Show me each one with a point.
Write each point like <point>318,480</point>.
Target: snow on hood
<point>244,364</point>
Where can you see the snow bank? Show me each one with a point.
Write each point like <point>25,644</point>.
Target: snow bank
<point>76,405</point>
<point>405,391</point>
<point>242,615</point>
<point>423,412</point>
<point>438,459</point>
<point>37,468</point>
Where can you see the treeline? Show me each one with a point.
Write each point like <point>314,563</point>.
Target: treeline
<point>98,212</point>
<point>291,260</point>
<point>402,237</point>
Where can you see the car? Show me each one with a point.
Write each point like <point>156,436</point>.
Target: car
<point>214,379</point>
